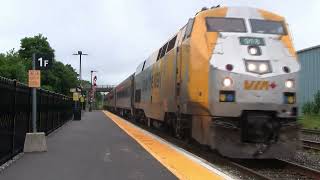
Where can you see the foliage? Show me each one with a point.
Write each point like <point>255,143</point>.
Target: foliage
<point>312,108</point>
<point>317,102</point>
<point>15,65</point>
<point>99,100</point>
<point>36,44</point>
<point>310,121</point>
<point>307,108</point>
<point>60,78</point>
<point>85,83</point>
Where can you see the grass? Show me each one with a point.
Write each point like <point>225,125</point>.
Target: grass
<point>310,122</point>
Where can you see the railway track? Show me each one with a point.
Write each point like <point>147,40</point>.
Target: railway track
<point>310,139</point>
<point>312,145</point>
<point>254,169</point>
<point>310,132</point>
<point>278,169</point>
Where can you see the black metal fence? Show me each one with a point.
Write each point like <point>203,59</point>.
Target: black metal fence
<point>15,115</point>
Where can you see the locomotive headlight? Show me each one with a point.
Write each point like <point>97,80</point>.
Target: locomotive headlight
<point>258,67</point>
<point>289,84</point>
<point>263,68</point>
<point>227,82</point>
<point>253,50</point>
<point>252,67</point>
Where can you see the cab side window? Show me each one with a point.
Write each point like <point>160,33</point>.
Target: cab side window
<point>189,29</point>
<point>162,51</point>
<point>172,43</point>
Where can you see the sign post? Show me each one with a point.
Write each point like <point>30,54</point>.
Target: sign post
<point>34,96</point>
<point>36,142</point>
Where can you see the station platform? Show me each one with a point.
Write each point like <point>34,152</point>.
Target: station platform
<point>104,146</point>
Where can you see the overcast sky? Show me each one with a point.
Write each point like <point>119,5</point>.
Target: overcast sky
<point>119,34</point>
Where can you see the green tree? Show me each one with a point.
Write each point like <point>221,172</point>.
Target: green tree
<point>12,66</point>
<point>312,108</point>
<point>307,108</point>
<point>38,44</point>
<point>99,100</point>
<point>317,102</point>
<point>60,78</point>
<point>15,65</point>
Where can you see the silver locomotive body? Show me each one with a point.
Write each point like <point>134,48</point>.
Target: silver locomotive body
<point>260,121</point>
<point>239,97</point>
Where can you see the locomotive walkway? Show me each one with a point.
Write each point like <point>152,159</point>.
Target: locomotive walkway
<point>96,148</point>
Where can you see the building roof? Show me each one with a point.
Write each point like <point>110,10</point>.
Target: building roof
<point>308,49</point>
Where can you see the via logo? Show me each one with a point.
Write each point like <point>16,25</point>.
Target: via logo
<point>259,85</point>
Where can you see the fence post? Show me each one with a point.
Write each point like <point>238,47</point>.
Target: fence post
<point>14,109</point>
<point>47,110</point>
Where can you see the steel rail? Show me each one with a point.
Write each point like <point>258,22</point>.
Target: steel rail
<point>251,172</point>
<point>310,131</point>
<point>312,173</point>
<point>313,145</point>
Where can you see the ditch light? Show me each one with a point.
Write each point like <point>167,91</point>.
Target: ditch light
<point>289,98</point>
<point>227,96</point>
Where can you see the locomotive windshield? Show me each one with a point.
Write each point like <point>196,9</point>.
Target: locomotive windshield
<point>267,27</point>
<point>225,25</point>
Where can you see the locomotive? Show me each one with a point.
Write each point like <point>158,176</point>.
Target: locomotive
<point>227,79</point>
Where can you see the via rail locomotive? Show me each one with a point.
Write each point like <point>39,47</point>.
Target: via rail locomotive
<point>227,79</point>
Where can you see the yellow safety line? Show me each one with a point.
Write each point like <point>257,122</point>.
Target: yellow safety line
<point>178,163</point>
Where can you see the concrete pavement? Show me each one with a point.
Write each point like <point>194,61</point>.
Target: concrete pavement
<point>94,148</point>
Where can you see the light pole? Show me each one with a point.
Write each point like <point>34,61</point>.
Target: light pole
<point>80,71</point>
<point>91,91</point>
<point>80,77</point>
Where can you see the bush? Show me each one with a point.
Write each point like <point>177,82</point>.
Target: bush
<point>317,102</point>
<point>307,108</point>
<point>312,108</point>
<point>12,66</point>
<point>315,109</point>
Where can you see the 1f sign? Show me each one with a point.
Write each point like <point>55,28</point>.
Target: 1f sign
<point>43,62</point>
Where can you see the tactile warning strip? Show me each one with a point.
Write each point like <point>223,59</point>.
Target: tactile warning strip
<point>179,164</point>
